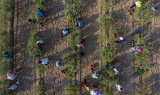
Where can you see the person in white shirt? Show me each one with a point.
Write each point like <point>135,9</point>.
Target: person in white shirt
<point>44,61</point>
<point>40,43</point>
<point>119,87</point>
<point>13,87</point>
<point>94,75</point>
<point>116,71</point>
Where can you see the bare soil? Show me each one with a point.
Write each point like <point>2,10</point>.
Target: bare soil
<point>55,81</point>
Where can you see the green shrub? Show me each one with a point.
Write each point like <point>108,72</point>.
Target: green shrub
<point>108,79</point>
<point>40,68</point>
<point>32,49</point>
<point>4,69</point>
<point>38,18</point>
<point>73,90</point>
<point>107,54</point>
<point>143,14</point>
<point>4,85</point>
<point>107,33</point>
<point>6,7</point>
<point>74,38</point>
<point>140,71</point>
<point>142,89</point>
<point>70,12</point>
<point>72,1</point>
<point>40,3</point>
<point>40,89</point>
<point>70,59</point>
<point>142,60</point>
<point>5,45</point>
<point>106,4</point>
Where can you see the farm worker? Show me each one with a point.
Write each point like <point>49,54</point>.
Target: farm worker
<point>41,12</point>
<point>58,64</point>
<point>137,49</point>
<point>138,4</point>
<point>81,44</point>
<point>116,71</point>
<point>154,9</point>
<point>7,55</point>
<point>44,61</point>
<point>64,32</point>
<point>40,24</point>
<point>13,87</point>
<point>31,21</point>
<point>94,75</point>
<point>40,43</point>
<point>11,76</point>
<point>119,87</point>
<point>93,92</point>
<point>78,24</point>
<point>121,40</point>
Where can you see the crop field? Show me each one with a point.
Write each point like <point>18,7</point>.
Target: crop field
<point>139,72</point>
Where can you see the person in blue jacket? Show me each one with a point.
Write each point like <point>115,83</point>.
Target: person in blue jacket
<point>64,32</point>
<point>138,49</point>
<point>7,55</point>
<point>41,12</point>
<point>78,24</point>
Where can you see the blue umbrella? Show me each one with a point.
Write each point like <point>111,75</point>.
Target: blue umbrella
<point>58,64</point>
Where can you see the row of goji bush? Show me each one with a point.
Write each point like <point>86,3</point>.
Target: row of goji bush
<point>106,39</point>
<point>5,15</point>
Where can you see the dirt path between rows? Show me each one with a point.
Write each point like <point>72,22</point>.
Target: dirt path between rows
<point>22,61</point>
<point>124,60</point>
<point>56,82</point>
<point>56,46</point>
<point>90,14</point>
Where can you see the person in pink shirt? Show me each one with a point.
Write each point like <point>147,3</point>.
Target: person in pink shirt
<point>11,76</point>
<point>81,44</point>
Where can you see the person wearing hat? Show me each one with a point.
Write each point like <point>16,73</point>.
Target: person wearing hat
<point>59,64</point>
<point>7,55</point>
<point>121,40</point>
<point>119,87</point>
<point>64,32</point>
<point>41,13</point>
<point>40,43</point>
<point>137,49</point>
<point>154,9</point>
<point>116,71</point>
<point>13,87</point>
<point>94,75</point>
<point>31,21</point>
<point>81,44</point>
<point>11,76</point>
<point>138,4</point>
<point>78,24</point>
<point>44,61</point>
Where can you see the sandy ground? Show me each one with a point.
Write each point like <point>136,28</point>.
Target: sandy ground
<point>23,62</point>
<point>90,30</point>
<point>55,81</point>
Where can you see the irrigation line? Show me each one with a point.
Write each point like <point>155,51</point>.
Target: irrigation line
<point>80,55</point>
<point>100,1</point>
<point>11,33</point>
